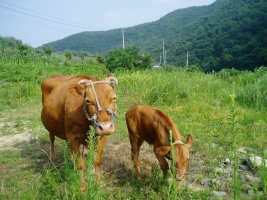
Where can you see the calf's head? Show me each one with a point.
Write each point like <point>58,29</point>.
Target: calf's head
<point>100,103</point>
<point>181,154</point>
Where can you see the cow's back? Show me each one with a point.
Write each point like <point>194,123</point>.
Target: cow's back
<point>55,91</point>
<point>48,85</point>
<point>147,123</point>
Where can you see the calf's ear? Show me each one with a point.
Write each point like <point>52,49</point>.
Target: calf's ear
<point>163,150</point>
<point>189,140</point>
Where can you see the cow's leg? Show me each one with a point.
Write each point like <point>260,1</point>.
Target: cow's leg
<point>74,144</point>
<point>100,148</point>
<point>136,144</point>
<point>70,153</point>
<point>84,147</point>
<point>52,143</point>
<point>162,162</point>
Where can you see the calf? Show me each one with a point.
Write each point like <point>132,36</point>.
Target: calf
<point>149,124</point>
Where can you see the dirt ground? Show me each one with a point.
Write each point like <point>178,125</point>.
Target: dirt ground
<point>116,161</point>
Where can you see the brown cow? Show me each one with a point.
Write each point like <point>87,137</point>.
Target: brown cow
<point>73,103</point>
<point>149,124</point>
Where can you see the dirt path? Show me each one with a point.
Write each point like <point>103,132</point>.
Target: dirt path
<point>117,164</point>
<point>14,142</point>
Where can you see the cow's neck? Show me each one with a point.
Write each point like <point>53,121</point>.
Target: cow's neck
<point>176,134</point>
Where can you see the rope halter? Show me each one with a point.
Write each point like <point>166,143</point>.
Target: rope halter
<point>177,169</point>
<point>89,83</point>
<point>178,142</point>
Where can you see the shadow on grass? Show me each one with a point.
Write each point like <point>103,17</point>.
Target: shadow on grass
<point>39,155</point>
<point>116,170</point>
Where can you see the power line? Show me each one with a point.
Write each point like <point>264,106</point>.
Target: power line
<point>57,18</point>
<point>44,17</point>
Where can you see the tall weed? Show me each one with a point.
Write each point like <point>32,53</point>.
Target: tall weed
<point>233,131</point>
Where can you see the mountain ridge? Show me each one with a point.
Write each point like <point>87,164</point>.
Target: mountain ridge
<point>219,35</point>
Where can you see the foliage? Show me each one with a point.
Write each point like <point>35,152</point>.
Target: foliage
<point>129,58</point>
<point>233,130</point>
<point>253,92</point>
<point>68,54</point>
<point>47,50</point>
<point>83,55</point>
<point>13,51</point>
<point>100,59</point>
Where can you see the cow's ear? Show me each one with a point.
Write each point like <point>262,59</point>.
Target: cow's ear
<point>163,150</point>
<point>189,140</point>
<point>78,89</point>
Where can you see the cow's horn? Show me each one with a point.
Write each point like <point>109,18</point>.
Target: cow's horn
<point>84,81</point>
<point>113,81</point>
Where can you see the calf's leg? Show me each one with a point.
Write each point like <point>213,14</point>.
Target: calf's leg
<point>162,162</point>
<point>136,144</point>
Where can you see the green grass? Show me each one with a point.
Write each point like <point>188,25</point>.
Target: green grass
<point>199,104</point>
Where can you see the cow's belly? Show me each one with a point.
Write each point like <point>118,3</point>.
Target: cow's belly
<point>53,122</point>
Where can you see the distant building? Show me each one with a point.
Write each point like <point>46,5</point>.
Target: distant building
<point>157,65</point>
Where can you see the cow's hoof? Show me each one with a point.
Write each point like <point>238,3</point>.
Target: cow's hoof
<point>83,188</point>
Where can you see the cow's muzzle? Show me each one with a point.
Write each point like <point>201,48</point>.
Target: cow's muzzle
<point>102,128</point>
<point>180,174</point>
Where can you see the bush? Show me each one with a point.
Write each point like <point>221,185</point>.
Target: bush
<point>228,73</point>
<point>193,68</point>
<point>47,50</point>
<point>68,54</point>
<point>129,58</point>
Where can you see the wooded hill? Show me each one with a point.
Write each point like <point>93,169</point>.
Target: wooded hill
<point>225,34</point>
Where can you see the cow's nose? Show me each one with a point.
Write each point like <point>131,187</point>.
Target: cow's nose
<point>180,177</point>
<point>104,116</point>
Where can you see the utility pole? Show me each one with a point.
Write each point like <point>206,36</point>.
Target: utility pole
<point>159,59</point>
<point>122,32</point>
<point>187,58</point>
<point>163,53</point>
<point>165,56</point>
<point>188,46</point>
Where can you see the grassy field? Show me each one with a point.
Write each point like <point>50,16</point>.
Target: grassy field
<point>224,112</point>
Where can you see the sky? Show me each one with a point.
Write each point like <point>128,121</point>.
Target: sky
<point>39,22</point>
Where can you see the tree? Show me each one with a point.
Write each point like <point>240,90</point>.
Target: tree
<point>68,54</point>
<point>25,53</point>
<point>83,55</point>
<point>100,59</point>
<point>47,50</point>
<point>129,58</point>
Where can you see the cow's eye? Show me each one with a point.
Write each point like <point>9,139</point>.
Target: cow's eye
<point>88,102</point>
<point>113,99</point>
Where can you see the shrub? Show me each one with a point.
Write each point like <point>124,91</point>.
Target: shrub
<point>129,58</point>
<point>68,54</point>
<point>47,50</point>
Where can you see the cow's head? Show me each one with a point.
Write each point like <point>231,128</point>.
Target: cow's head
<point>100,103</point>
<point>181,153</point>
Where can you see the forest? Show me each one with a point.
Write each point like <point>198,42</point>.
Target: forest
<point>225,34</point>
